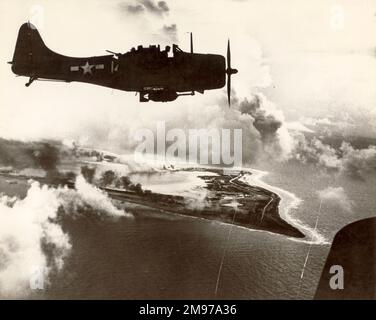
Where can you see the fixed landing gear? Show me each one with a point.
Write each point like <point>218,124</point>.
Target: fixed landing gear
<point>31,80</point>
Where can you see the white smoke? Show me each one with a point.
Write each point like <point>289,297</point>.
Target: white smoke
<point>26,224</point>
<point>88,195</point>
<point>197,200</point>
<point>337,196</point>
<point>264,134</point>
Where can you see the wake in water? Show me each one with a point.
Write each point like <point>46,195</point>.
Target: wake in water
<point>288,204</point>
<point>26,225</point>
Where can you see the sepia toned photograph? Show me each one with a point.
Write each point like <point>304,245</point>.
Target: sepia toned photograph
<point>188,150</point>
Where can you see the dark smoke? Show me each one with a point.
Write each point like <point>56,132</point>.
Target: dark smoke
<point>46,157</point>
<point>266,124</point>
<point>110,179</point>
<point>88,173</point>
<point>20,155</point>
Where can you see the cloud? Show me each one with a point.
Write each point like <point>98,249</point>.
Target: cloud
<point>132,9</point>
<point>171,32</point>
<point>314,151</point>
<point>159,8</point>
<point>342,124</point>
<point>355,163</point>
<point>297,126</point>
<point>358,162</point>
<point>337,196</point>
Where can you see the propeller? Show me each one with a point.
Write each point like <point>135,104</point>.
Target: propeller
<point>229,72</point>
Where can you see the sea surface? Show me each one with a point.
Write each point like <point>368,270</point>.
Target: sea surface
<point>177,257</point>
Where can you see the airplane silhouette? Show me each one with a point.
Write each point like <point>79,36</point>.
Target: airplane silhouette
<point>158,75</point>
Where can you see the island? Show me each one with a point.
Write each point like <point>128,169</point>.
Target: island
<point>229,199</point>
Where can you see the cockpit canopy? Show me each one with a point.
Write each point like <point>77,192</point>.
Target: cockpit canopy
<point>154,50</point>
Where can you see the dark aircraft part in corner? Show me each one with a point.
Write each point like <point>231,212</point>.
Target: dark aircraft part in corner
<point>350,269</point>
<point>156,74</point>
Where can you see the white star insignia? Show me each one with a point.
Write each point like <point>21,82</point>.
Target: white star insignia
<point>87,68</point>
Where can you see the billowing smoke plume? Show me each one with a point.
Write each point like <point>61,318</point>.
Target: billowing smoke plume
<point>269,122</point>
<point>29,224</point>
<point>336,196</point>
<point>264,133</point>
<point>267,125</point>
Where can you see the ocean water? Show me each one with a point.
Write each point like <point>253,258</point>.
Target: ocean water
<point>176,257</point>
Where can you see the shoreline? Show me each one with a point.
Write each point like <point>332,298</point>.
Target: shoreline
<point>315,237</point>
<point>251,207</point>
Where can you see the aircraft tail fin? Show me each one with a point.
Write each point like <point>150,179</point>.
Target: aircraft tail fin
<point>29,52</point>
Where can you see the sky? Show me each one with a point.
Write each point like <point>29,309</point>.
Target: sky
<point>314,59</point>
